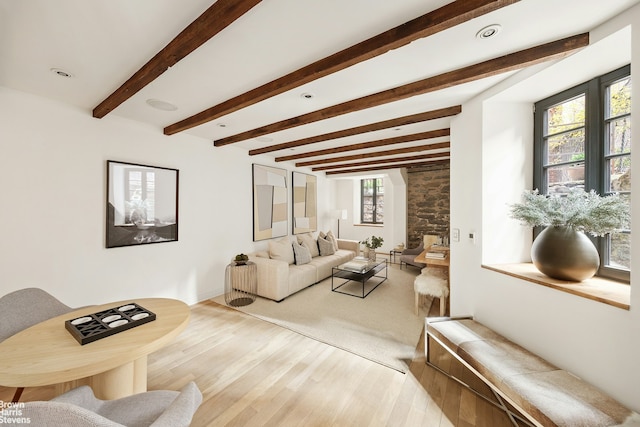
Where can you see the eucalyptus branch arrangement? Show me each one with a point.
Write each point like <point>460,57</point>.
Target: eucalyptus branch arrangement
<point>580,210</point>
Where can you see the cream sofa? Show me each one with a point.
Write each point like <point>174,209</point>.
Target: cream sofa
<point>277,279</point>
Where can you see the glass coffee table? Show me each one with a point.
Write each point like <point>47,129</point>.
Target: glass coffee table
<point>360,277</point>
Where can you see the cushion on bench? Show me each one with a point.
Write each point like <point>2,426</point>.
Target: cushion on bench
<point>549,395</point>
<point>559,398</point>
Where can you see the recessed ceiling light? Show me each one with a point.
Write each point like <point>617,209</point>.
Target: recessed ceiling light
<point>161,105</point>
<point>221,125</point>
<point>307,95</point>
<point>488,32</point>
<point>60,72</point>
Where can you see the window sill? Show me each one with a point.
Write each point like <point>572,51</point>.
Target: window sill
<point>598,289</point>
<point>369,225</point>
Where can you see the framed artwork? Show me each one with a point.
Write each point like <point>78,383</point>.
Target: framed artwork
<point>305,196</point>
<point>142,204</point>
<point>270,203</point>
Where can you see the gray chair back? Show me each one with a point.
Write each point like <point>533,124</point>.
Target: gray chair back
<point>79,407</point>
<point>26,307</point>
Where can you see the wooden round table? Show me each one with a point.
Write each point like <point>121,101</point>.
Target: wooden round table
<point>114,366</point>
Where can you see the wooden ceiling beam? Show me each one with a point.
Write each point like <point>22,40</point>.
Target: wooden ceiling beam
<point>431,23</point>
<point>382,161</point>
<point>396,166</point>
<point>213,20</point>
<point>368,155</point>
<point>492,67</point>
<point>386,124</point>
<point>372,144</point>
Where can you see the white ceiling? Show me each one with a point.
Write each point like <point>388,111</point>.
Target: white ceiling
<point>103,42</point>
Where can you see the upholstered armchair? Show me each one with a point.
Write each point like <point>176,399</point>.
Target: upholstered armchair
<point>80,408</point>
<point>24,308</point>
<point>408,255</point>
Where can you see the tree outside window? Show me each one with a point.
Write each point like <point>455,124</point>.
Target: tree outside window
<point>372,201</point>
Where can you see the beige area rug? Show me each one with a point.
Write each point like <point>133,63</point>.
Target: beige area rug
<point>381,327</point>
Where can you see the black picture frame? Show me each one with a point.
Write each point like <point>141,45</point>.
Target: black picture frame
<point>142,204</point>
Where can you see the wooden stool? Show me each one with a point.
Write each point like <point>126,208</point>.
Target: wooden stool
<point>433,282</point>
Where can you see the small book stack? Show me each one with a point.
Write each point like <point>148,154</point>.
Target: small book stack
<point>357,265</point>
<point>436,255</point>
<point>436,252</point>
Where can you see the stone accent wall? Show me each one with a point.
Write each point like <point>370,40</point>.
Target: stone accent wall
<point>427,202</point>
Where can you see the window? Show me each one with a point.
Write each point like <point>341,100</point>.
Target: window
<point>140,187</point>
<point>372,201</point>
<point>582,139</point>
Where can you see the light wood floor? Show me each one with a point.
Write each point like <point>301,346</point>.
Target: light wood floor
<point>253,373</point>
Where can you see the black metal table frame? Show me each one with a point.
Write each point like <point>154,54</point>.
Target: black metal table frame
<point>352,276</point>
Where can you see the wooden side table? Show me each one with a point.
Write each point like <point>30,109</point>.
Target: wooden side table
<point>240,284</point>
<point>431,262</point>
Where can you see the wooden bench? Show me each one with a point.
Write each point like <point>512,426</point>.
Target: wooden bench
<point>544,394</point>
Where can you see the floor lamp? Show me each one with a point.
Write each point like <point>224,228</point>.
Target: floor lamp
<point>340,214</point>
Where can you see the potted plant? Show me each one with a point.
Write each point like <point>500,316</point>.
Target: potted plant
<point>562,250</point>
<point>371,244</point>
<point>241,259</point>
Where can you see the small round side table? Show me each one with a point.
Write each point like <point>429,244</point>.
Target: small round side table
<point>240,283</point>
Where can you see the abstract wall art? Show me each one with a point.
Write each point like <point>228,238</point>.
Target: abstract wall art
<point>305,196</point>
<point>270,202</point>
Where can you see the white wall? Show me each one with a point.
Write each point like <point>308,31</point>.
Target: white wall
<point>347,196</point>
<point>396,205</point>
<point>52,204</point>
<point>595,341</point>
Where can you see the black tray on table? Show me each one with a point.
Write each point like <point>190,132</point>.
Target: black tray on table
<point>95,326</point>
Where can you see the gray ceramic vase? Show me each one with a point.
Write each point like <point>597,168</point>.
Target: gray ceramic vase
<point>565,254</point>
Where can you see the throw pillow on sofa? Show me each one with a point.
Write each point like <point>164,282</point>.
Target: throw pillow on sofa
<point>332,238</point>
<point>326,247</point>
<point>281,250</point>
<point>301,253</point>
<point>307,240</point>
<point>262,254</point>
